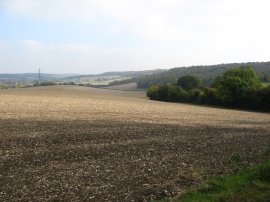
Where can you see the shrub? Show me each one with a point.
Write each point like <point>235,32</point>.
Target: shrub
<point>236,84</point>
<point>194,95</point>
<point>188,82</point>
<point>210,96</point>
<point>238,87</point>
<point>158,92</point>
<point>176,93</point>
<point>259,99</point>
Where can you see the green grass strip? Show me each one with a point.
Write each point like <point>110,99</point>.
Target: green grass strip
<point>250,185</point>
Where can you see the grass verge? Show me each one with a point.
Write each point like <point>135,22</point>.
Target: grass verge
<point>252,184</point>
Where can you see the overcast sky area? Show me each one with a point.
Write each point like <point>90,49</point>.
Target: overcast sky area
<point>93,36</point>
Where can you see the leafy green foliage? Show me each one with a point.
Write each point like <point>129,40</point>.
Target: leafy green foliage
<point>210,96</point>
<point>158,92</point>
<point>236,84</point>
<point>188,82</point>
<point>259,99</point>
<point>206,73</point>
<point>238,87</point>
<point>176,93</point>
<point>166,93</point>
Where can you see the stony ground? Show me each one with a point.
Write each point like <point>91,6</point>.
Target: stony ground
<point>67,143</point>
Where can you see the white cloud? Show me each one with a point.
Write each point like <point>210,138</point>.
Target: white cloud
<point>167,20</point>
<point>35,46</point>
<point>180,32</point>
<point>138,13</point>
<point>32,45</point>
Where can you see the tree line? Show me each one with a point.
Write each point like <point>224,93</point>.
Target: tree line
<point>207,74</point>
<point>237,87</point>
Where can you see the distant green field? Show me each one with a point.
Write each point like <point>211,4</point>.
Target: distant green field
<point>97,80</point>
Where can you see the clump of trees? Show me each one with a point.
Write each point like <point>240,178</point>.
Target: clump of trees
<point>188,82</point>
<point>206,73</point>
<point>45,83</point>
<point>237,87</point>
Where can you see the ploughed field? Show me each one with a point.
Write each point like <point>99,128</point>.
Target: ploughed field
<point>77,143</point>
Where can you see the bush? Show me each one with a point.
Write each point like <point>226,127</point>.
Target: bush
<point>238,87</point>
<point>236,84</point>
<point>176,93</point>
<point>188,82</point>
<point>259,99</point>
<point>157,92</point>
<point>167,92</point>
<point>194,95</point>
<point>210,96</point>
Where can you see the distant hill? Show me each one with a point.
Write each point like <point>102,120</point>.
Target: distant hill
<point>122,73</point>
<point>29,79</point>
<point>33,76</point>
<point>110,78</point>
<point>104,79</point>
<point>206,73</point>
<point>134,73</point>
<point>144,79</point>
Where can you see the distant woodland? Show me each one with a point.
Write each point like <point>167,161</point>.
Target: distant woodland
<point>237,87</point>
<point>206,74</point>
<point>144,79</point>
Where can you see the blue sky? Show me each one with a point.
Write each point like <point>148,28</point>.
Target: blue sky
<point>90,36</point>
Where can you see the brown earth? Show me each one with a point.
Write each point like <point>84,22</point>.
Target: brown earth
<point>126,87</point>
<point>67,143</point>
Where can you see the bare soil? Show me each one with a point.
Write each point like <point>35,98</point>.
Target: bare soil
<point>125,87</point>
<point>65,143</point>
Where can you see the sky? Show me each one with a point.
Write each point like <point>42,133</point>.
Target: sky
<point>94,36</point>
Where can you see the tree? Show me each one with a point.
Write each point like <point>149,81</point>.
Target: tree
<point>176,93</point>
<point>158,92</point>
<point>236,84</point>
<point>194,95</point>
<point>210,96</point>
<point>188,82</point>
